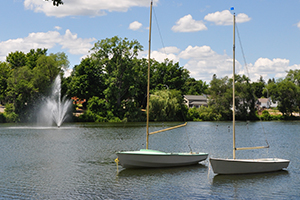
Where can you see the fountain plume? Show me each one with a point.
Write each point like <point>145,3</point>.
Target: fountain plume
<point>54,109</point>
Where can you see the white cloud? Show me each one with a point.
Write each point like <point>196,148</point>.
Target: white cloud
<point>47,40</point>
<point>298,24</point>
<point>135,25</point>
<point>57,27</point>
<point>202,62</point>
<point>188,24</point>
<point>225,18</point>
<point>84,8</point>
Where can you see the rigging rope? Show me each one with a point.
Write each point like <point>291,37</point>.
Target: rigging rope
<point>161,40</point>
<point>246,66</point>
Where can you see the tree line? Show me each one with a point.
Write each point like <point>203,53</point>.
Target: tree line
<point>113,81</point>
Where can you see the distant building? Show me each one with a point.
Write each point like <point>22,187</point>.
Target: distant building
<point>266,103</point>
<point>195,100</point>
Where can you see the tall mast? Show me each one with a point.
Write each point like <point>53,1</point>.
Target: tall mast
<point>233,89</point>
<point>148,84</point>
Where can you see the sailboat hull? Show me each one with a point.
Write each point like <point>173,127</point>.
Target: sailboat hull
<point>247,166</point>
<point>153,159</point>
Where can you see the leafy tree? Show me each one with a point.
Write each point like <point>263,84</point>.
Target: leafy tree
<point>4,74</point>
<point>258,88</point>
<point>193,87</point>
<point>49,66</point>
<point>98,111</point>
<point>117,56</point>
<point>20,90</point>
<point>245,99</point>
<point>61,60</point>
<point>286,92</point>
<point>167,105</point>
<point>220,91</point>
<point>33,55</point>
<point>10,114</point>
<point>16,59</point>
<point>87,80</point>
<point>294,76</point>
<point>167,75</point>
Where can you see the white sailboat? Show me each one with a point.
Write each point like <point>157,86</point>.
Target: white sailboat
<point>245,166</point>
<point>146,158</point>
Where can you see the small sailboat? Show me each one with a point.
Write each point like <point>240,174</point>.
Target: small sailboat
<point>245,166</point>
<point>146,158</point>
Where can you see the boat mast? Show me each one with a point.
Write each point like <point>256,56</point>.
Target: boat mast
<point>233,89</point>
<point>148,84</point>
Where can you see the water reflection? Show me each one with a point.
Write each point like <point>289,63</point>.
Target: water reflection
<point>199,168</point>
<point>248,178</point>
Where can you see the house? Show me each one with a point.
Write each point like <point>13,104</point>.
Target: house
<point>195,100</point>
<point>266,103</point>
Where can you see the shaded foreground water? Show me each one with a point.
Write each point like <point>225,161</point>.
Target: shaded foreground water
<point>76,161</point>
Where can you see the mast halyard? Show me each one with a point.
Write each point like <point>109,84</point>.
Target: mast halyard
<point>233,89</point>
<point>148,84</point>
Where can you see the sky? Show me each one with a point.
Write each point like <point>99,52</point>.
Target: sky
<point>196,33</point>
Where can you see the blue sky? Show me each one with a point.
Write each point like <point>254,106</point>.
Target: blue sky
<point>195,33</point>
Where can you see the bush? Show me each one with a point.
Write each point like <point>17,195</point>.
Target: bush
<point>10,114</point>
<point>203,114</point>
<point>2,118</point>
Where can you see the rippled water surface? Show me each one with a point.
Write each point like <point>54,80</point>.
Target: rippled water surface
<point>76,161</point>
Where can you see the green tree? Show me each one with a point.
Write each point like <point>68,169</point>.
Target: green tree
<point>220,91</point>
<point>49,66</point>
<point>87,80</point>
<point>20,90</point>
<point>168,75</point>
<point>117,56</point>
<point>258,88</point>
<point>245,99</point>
<point>193,87</point>
<point>16,59</point>
<point>286,93</point>
<point>33,55</point>
<point>4,75</point>
<point>294,76</point>
<point>167,105</point>
<point>61,59</point>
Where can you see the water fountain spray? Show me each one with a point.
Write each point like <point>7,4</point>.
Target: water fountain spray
<point>54,108</point>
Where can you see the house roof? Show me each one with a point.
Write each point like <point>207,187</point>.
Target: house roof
<point>263,100</point>
<point>195,97</point>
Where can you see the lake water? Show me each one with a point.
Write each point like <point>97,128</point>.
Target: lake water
<point>76,161</point>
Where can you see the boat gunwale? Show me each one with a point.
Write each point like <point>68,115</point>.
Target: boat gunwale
<point>258,160</point>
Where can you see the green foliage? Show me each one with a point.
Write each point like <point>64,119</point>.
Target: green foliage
<point>33,55</point>
<point>2,118</point>
<point>286,92</point>
<point>221,97</point>
<point>4,75</point>
<point>266,116</point>
<point>26,77</point>
<point>193,87</point>
<point>16,59</point>
<point>203,114</point>
<point>87,80</point>
<point>168,75</point>
<point>9,113</point>
<point>113,80</point>
<point>117,56</point>
<point>97,111</point>
<point>167,105</point>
